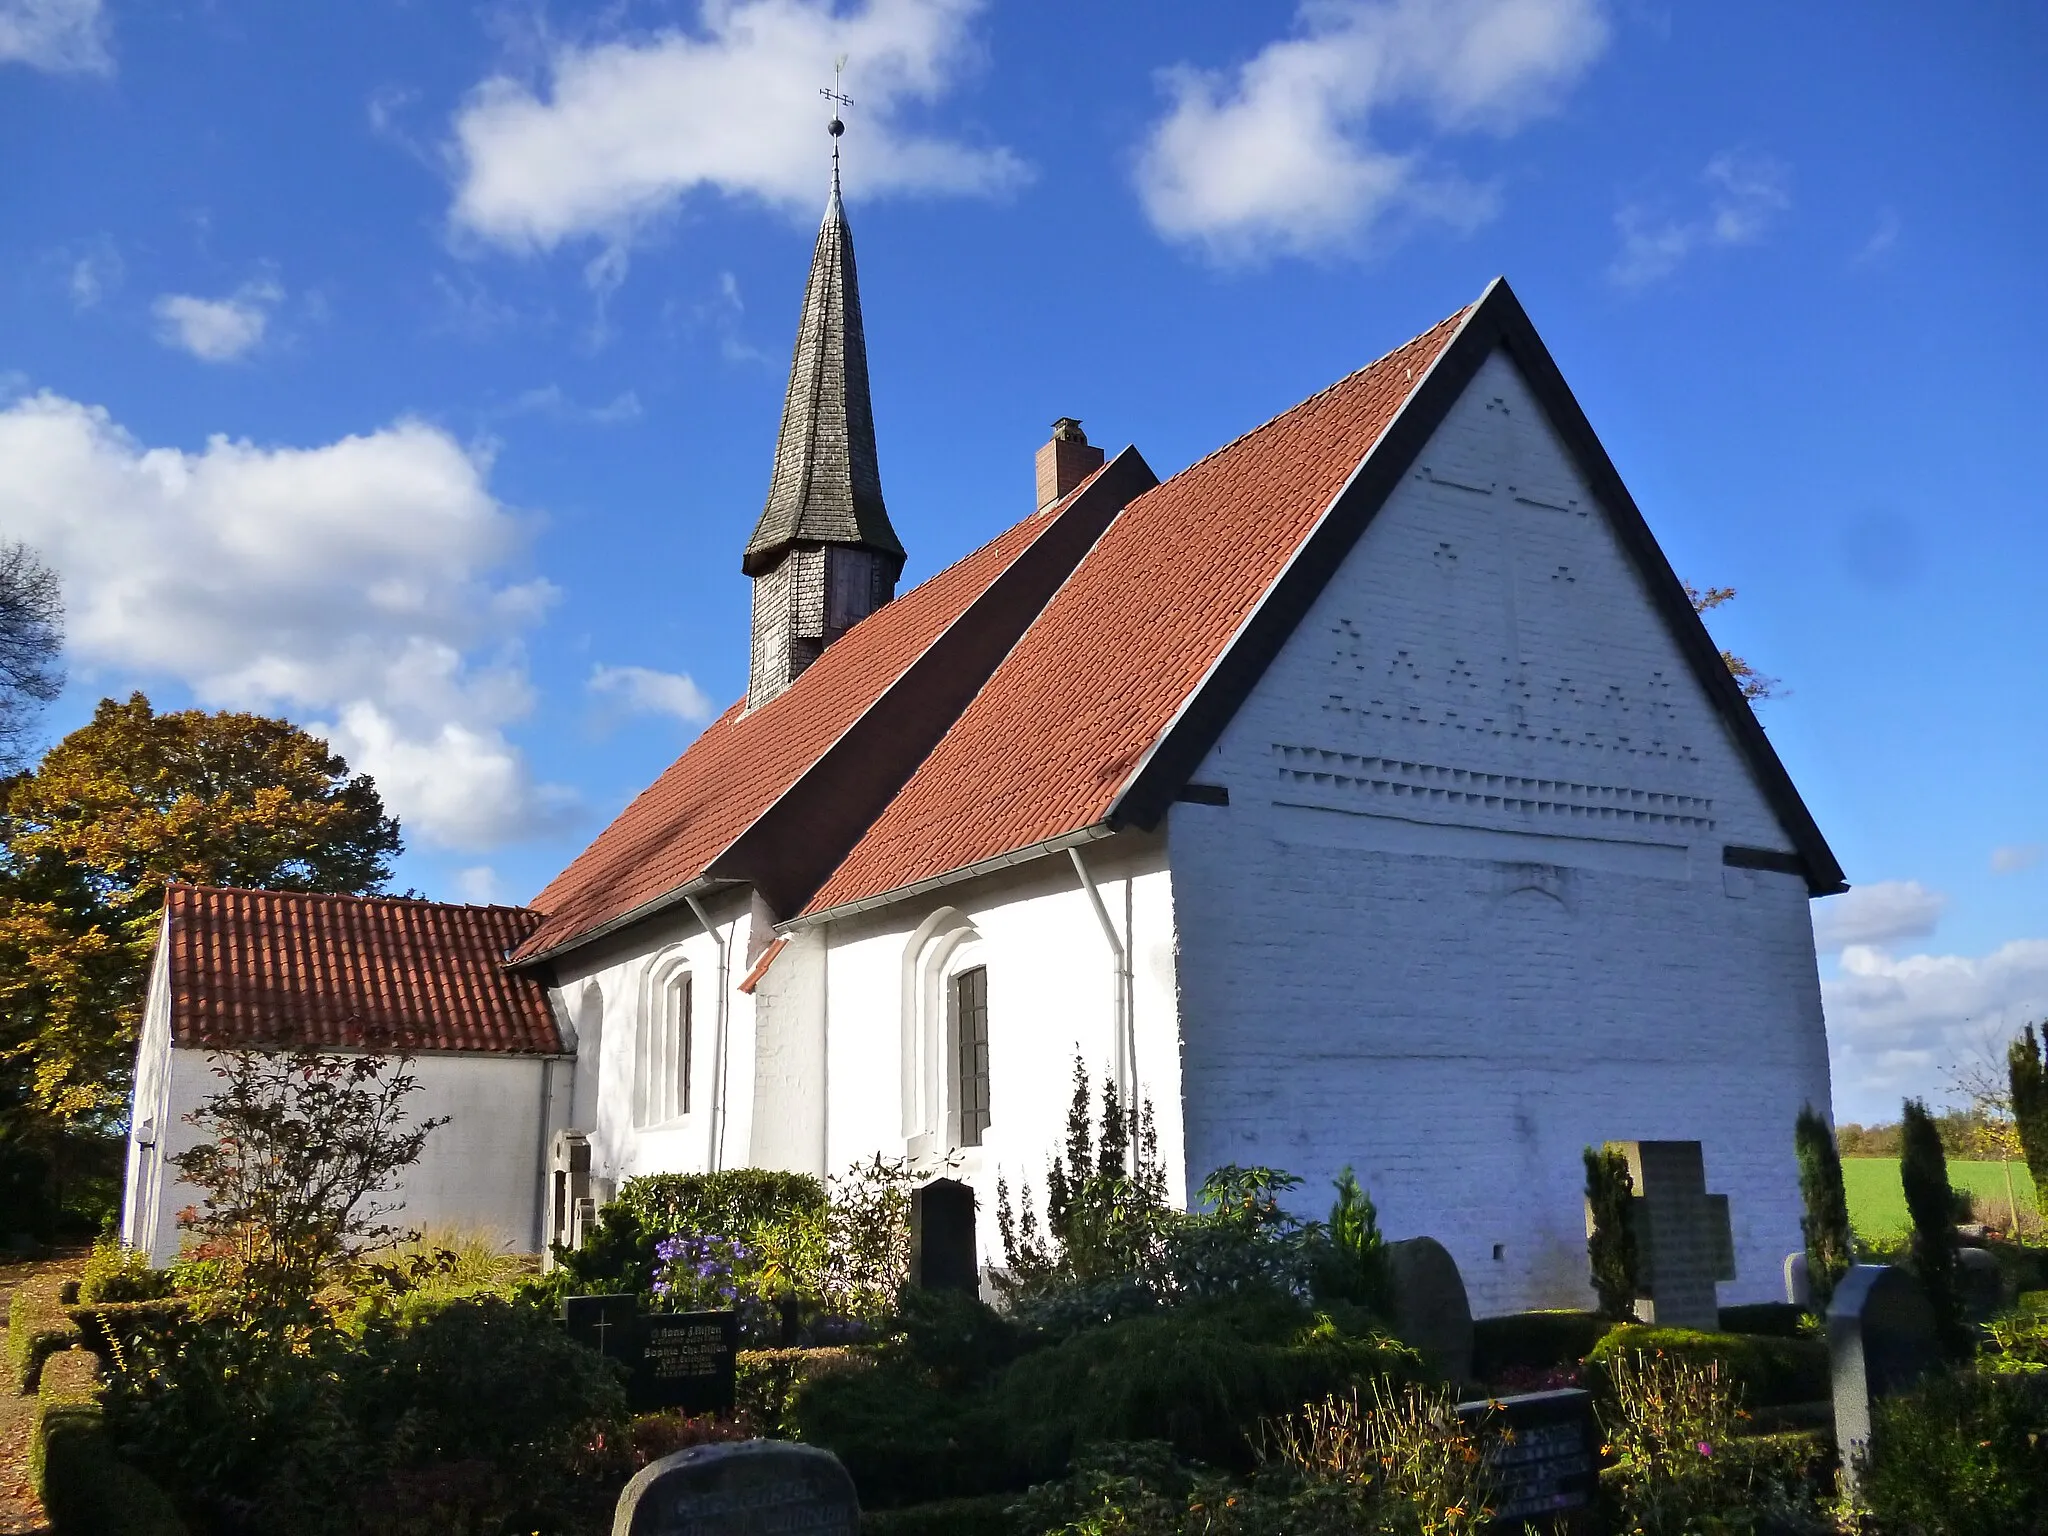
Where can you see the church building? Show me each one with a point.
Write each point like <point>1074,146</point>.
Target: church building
<point>1367,793</point>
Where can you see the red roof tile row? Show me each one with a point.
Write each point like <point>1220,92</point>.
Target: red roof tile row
<point>288,968</point>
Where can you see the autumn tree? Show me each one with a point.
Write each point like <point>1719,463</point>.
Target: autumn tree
<point>1754,685</point>
<point>89,839</point>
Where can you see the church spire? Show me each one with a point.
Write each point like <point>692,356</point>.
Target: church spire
<point>823,556</point>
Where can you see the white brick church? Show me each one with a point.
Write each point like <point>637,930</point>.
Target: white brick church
<point>1366,793</point>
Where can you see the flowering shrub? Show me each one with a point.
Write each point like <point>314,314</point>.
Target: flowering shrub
<point>697,1272</point>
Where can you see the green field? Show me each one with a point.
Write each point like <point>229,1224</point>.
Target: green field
<point>1877,1205</point>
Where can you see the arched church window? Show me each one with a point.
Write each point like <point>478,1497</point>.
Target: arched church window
<point>661,1067</point>
<point>968,999</point>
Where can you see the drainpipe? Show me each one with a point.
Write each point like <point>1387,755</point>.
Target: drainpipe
<point>718,1041</point>
<point>1126,1034</point>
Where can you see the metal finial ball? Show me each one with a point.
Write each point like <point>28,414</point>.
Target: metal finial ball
<point>835,127</point>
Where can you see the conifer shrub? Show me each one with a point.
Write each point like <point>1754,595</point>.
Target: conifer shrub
<point>1923,1170</point>
<point>2027,1086</point>
<point>1829,1248</point>
<point>1610,1231</point>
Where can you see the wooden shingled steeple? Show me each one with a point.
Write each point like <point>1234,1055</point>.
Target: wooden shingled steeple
<point>823,556</point>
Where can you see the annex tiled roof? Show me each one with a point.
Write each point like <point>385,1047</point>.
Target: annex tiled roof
<point>747,760</point>
<point>1051,741</point>
<point>287,968</point>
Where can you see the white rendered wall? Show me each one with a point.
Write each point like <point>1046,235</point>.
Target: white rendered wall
<point>1383,964</point>
<point>480,1171</point>
<point>149,1107</point>
<point>1051,994</point>
<point>606,989</point>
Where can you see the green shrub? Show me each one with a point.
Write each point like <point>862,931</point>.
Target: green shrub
<point>768,1380</point>
<point>85,1488</point>
<point>1201,1377</point>
<point>1923,1170</point>
<point>1610,1231</point>
<point>1766,1372</point>
<point>1825,1224</point>
<point>1533,1341</point>
<point>36,1329</point>
<point>903,1439</point>
<point>1775,1319</point>
<point>729,1204</point>
<point>116,1273</point>
<point>1961,1456</point>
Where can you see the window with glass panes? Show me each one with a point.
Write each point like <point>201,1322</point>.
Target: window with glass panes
<point>970,1052</point>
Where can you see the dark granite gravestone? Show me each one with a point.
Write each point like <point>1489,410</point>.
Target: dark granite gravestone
<point>1543,1451</point>
<point>1981,1282</point>
<point>943,1256</point>
<point>751,1488</point>
<point>1684,1243</point>
<point>608,1324</point>
<point>1431,1310</point>
<point>686,1360</point>
<point>1881,1341</point>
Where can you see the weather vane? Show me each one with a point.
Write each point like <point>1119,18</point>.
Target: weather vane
<point>836,127</point>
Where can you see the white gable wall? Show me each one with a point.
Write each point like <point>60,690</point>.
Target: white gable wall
<point>1051,994</point>
<point>1466,912</point>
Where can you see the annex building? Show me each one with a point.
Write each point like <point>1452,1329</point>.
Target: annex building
<point>1366,793</point>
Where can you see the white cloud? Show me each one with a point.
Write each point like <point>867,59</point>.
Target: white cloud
<point>62,36</point>
<point>1897,1026</point>
<point>642,690</point>
<point>553,402</point>
<point>1881,240</point>
<point>93,272</point>
<point>1283,154</point>
<point>217,330</point>
<point>1745,195</point>
<point>2015,857</point>
<point>616,132</point>
<point>355,585</point>
<point>1877,914</point>
<point>478,884</point>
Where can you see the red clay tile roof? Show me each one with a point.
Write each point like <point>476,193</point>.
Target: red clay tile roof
<point>285,968</point>
<point>1050,742</point>
<point>744,762</point>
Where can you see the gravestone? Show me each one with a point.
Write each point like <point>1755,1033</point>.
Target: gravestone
<point>1798,1283</point>
<point>1431,1310</point>
<point>1542,1449</point>
<point>1684,1243</point>
<point>1881,1341</point>
<point>1981,1283</point>
<point>746,1489</point>
<point>686,1360</point>
<point>608,1324</point>
<point>943,1256</point>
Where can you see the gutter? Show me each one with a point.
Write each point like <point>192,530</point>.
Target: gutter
<point>1126,1035</point>
<point>684,894</point>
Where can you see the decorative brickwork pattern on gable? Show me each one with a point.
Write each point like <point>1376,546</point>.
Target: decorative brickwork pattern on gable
<point>287,968</point>
<point>1049,743</point>
<point>746,760</point>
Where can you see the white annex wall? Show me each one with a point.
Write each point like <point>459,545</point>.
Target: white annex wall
<point>480,1171</point>
<point>1466,911</point>
<point>608,989</point>
<point>1051,993</point>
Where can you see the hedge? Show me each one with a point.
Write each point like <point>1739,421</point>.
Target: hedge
<point>108,1327</point>
<point>37,1328</point>
<point>726,1203</point>
<point>86,1489</point>
<point>768,1380</point>
<point>985,1516</point>
<point>1534,1341</point>
<point>1778,1319</point>
<point>1769,1372</point>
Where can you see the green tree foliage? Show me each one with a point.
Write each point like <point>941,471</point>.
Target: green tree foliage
<point>2027,1076</point>
<point>1829,1248</point>
<point>1610,1231</point>
<point>296,1151</point>
<point>88,841</point>
<point>1923,1170</point>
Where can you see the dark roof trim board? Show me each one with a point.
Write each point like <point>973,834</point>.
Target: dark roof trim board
<point>1497,320</point>
<point>788,850</point>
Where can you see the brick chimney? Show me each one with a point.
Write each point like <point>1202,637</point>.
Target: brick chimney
<point>1065,462</point>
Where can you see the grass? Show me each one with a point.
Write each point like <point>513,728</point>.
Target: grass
<point>1877,1205</point>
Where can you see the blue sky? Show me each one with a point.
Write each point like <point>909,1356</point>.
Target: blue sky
<point>413,370</point>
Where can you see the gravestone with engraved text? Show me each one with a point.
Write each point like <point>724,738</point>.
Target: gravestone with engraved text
<point>751,1488</point>
<point>943,1255</point>
<point>1431,1309</point>
<point>1542,1454</point>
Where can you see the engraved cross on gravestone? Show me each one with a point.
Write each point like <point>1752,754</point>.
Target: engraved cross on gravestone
<point>1684,1243</point>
